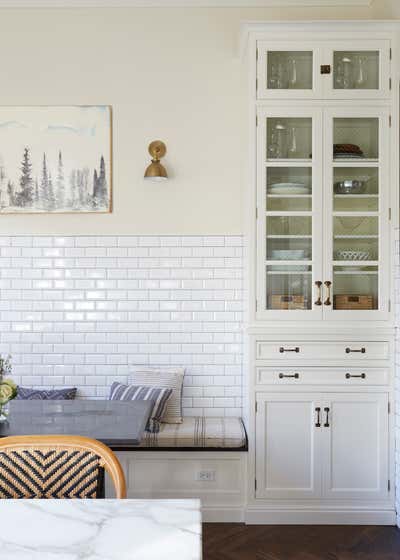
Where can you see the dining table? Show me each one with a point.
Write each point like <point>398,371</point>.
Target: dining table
<point>117,424</point>
<point>100,530</point>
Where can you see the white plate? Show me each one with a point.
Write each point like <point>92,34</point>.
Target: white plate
<point>289,188</point>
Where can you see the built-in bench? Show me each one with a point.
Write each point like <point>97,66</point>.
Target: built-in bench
<point>203,457</point>
<point>199,433</point>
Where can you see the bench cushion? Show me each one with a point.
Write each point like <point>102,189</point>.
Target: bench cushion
<point>199,432</point>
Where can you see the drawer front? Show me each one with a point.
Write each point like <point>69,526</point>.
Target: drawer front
<point>321,350</point>
<point>322,376</point>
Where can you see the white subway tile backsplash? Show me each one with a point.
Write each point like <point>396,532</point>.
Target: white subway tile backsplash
<point>82,310</point>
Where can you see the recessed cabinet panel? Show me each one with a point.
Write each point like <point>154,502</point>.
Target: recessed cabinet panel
<point>356,447</point>
<point>286,447</point>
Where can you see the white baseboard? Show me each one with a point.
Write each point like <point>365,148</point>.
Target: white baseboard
<point>290,517</point>
<point>223,515</point>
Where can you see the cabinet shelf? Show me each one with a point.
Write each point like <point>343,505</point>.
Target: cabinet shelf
<point>289,236</point>
<point>290,195</point>
<point>356,236</point>
<point>356,196</point>
<point>289,162</point>
<point>356,273</point>
<point>355,263</point>
<point>285,273</point>
<point>355,162</point>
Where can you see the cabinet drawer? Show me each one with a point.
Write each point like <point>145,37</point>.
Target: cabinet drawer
<point>322,376</point>
<point>321,350</point>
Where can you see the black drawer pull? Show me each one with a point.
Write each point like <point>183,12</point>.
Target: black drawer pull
<point>318,422</point>
<point>282,349</point>
<point>294,375</point>
<point>350,350</point>
<point>361,376</point>
<point>326,425</point>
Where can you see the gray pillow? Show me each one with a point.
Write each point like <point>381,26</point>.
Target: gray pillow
<point>159,396</point>
<point>25,394</point>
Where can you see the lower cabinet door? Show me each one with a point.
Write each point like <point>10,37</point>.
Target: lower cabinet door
<point>288,465</point>
<point>355,446</point>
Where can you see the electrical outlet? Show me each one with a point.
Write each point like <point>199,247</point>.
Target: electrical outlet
<point>206,476</point>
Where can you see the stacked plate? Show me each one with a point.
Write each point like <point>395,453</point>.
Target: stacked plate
<point>289,188</point>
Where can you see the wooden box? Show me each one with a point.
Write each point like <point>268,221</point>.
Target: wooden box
<point>354,302</point>
<point>288,302</point>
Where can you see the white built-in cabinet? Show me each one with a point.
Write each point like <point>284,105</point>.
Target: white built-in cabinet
<point>322,445</point>
<point>322,209</point>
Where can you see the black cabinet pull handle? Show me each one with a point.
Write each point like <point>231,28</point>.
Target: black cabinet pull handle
<point>282,349</point>
<point>360,350</point>
<point>318,422</point>
<point>326,425</point>
<point>294,375</point>
<point>361,376</point>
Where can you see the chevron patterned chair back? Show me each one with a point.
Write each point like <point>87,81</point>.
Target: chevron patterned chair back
<point>56,467</point>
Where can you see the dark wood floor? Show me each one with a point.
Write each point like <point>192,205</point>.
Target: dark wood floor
<point>234,541</point>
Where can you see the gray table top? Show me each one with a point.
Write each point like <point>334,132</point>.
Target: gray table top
<point>118,424</point>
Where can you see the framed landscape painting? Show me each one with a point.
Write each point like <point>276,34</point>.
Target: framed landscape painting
<point>55,159</point>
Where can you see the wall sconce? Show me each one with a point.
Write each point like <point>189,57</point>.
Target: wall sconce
<point>156,171</point>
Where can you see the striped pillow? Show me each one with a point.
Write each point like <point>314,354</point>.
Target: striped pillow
<point>158,395</point>
<point>169,378</point>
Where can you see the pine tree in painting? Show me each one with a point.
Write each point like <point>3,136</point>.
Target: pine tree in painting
<point>36,192</point>
<point>44,184</point>
<point>60,184</point>
<point>25,197</point>
<point>72,186</point>
<point>11,193</point>
<point>100,185</point>
<point>51,199</point>
<point>95,186</point>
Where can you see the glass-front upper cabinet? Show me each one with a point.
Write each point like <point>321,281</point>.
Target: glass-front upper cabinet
<point>289,217</point>
<point>359,70</point>
<point>288,71</point>
<point>356,221</point>
<point>307,70</point>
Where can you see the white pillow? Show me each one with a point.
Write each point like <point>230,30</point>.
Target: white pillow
<point>169,378</point>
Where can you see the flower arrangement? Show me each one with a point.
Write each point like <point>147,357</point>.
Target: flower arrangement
<point>8,389</point>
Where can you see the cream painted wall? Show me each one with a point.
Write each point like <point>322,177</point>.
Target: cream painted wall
<point>169,74</point>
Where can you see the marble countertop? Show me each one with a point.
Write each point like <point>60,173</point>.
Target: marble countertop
<point>100,530</point>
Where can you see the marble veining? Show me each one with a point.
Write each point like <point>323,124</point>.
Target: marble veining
<point>100,530</point>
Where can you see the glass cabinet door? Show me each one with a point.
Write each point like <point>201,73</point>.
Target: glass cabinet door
<point>289,217</point>
<point>356,180</point>
<point>287,72</point>
<point>362,71</point>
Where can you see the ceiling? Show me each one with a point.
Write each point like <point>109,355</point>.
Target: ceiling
<point>180,3</point>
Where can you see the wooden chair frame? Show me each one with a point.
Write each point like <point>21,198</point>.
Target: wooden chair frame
<point>108,459</point>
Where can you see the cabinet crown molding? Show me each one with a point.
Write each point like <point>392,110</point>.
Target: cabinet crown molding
<point>275,29</point>
<point>180,3</point>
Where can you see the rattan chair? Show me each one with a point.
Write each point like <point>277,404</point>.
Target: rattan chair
<point>57,467</point>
